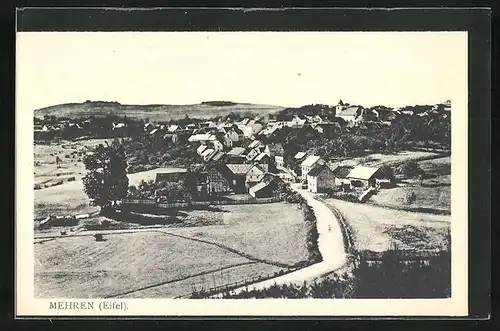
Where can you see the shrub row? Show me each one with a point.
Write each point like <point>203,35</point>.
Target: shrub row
<point>314,255</point>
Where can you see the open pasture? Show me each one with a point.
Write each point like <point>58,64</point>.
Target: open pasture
<point>376,228</point>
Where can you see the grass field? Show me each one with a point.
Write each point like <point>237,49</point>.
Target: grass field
<point>79,267</point>
<point>436,198</point>
<point>48,201</point>
<point>375,228</point>
<point>245,242</point>
<point>230,275</point>
<point>154,112</point>
<point>432,193</point>
<point>71,153</point>
<point>274,231</point>
<point>378,159</point>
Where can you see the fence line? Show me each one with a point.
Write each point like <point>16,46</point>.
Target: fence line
<point>200,203</point>
<point>228,287</point>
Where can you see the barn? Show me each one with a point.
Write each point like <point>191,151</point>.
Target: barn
<point>363,177</point>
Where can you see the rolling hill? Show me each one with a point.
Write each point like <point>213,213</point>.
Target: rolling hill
<point>207,109</point>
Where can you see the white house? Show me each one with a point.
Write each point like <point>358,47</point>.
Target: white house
<point>279,161</point>
<point>319,178</point>
<point>255,175</point>
<point>207,154</point>
<point>350,114</point>
<point>202,137</point>
<point>309,163</point>
<point>201,149</point>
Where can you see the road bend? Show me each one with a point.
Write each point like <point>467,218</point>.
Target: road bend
<point>330,244</point>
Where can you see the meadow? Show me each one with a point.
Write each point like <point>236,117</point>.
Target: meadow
<point>432,193</point>
<point>235,244</point>
<point>376,228</point>
<point>154,113</point>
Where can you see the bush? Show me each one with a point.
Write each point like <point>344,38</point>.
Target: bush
<point>409,169</point>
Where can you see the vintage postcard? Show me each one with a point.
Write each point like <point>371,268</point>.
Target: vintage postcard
<point>241,173</point>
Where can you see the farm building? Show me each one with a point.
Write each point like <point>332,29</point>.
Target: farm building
<point>218,179</point>
<point>237,173</point>
<point>254,175</point>
<point>362,176</point>
<point>266,188</point>
<point>309,163</point>
<point>319,178</point>
<point>341,173</point>
<point>172,175</point>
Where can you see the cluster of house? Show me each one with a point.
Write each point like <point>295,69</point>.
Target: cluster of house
<point>318,175</point>
<point>48,131</point>
<point>75,128</point>
<point>221,133</point>
<point>231,170</point>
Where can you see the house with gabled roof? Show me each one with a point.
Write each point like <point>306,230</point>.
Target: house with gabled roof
<point>238,174</point>
<point>308,164</point>
<point>252,154</point>
<point>341,172</point>
<point>236,151</point>
<point>201,149</point>
<point>362,176</point>
<point>207,154</point>
<point>320,178</point>
<point>262,158</point>
<point>254,175</point>
<point>265,188</point>
<point>218,179</point>
<point>173,128</point>
<point>254,144</point>
<point>351,113</point>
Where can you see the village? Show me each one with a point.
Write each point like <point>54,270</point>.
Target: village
<point>234,160</point>
<point>226,166</point>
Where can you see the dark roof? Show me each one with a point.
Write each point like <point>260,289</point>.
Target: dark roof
<point>222,169</point>
<point>218,156</point>
<point>342,171</point>
<point>317,170</point>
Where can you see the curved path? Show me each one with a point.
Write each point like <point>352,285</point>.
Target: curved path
<point>330,243</point>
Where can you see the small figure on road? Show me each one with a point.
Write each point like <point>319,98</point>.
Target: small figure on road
<point>58,161</point>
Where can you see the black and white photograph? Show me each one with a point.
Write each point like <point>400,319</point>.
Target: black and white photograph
<point>230,166</point>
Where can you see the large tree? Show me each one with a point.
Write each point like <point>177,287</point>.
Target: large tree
<point>106,181</point>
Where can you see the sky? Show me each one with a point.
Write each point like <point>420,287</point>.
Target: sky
<point>286,69</point>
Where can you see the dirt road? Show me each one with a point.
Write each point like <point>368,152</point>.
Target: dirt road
<point>330,244</point>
